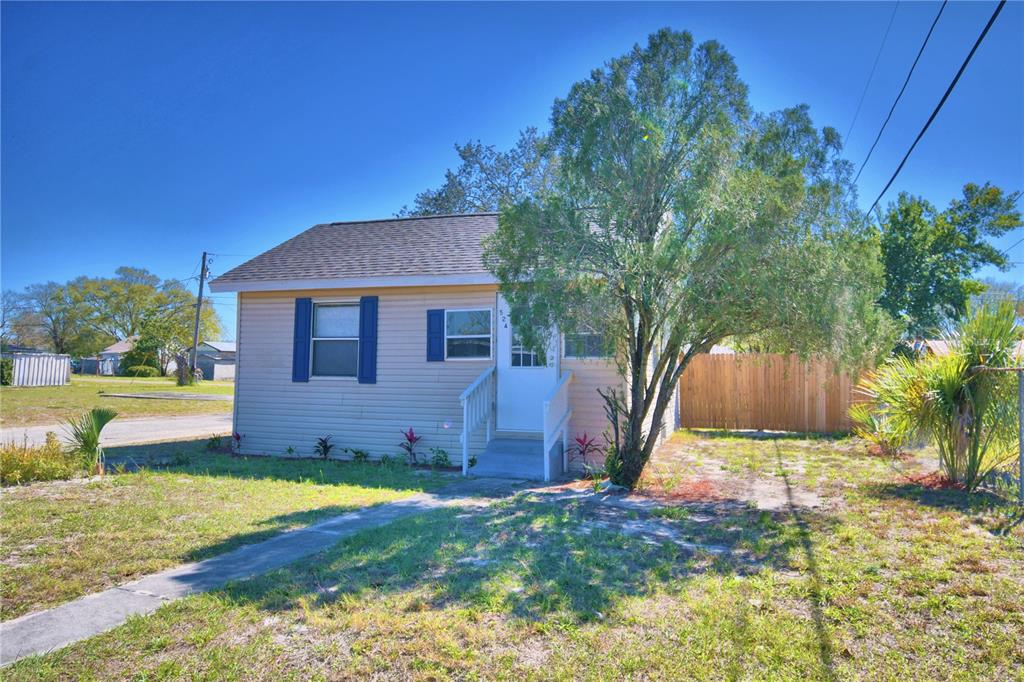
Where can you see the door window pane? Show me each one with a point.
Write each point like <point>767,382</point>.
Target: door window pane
<point>524,357</point>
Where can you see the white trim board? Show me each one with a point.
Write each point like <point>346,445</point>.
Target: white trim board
<point>354,282</point>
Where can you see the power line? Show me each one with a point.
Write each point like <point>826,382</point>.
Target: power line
<point>1011,246</point>
<point>897,100</point>
<point>942,101</point>
<point>873,67</point>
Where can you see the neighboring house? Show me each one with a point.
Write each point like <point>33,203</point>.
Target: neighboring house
<point>222,350</point>
<point>108,361</point>
<point>940,347</point>
<point>361,330</point>
<point>216,359</point>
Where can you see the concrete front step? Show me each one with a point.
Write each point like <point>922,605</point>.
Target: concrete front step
<point>512,457</point>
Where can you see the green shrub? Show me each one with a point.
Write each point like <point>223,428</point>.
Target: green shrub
<point>966,410</point>
<point>25,463</point>
<point>359,455</point>
<point>85,437</point>
<point>875,427</point>
<point>439,458</point>
<point>6,371</point>
<point>141,371</point>
<point>323,447</point>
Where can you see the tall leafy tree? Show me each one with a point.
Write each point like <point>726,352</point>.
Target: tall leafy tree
<point>486,178</point>
<point>680,218</point>
<point>931,255</point>
<point>48,315</point>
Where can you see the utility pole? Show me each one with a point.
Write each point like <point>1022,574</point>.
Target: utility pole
<point>199,310</point>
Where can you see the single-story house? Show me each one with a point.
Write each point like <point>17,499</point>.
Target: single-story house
<point>108,361</point>
<point>216,359</point>
<point>361,330</point>
<point>222,350</point>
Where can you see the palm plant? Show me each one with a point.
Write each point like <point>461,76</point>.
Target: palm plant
<point>84,435</point>
<point>966,410</point>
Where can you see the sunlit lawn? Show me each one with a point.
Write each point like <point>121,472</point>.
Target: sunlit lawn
<point>24,406</point>
<point>64,539</point>
<point>882,580</point>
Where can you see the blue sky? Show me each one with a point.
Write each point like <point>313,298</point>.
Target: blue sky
<point>143,134</point>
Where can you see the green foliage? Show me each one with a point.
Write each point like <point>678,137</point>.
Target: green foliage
<point>359,455</point>
<point>88,313</point>
<point>20,464</point>
<point>487,178</point>
<point>323,447</point>
<point>873,426</point>
<point>439,458</point>
<point>145,352</point>
<point>6,371</point>
<point>85,437</point>
<point>679,218</point>
<point>930,255</point>
<point>215,443</point>
<point>141,371</point>
<point>969,413</point>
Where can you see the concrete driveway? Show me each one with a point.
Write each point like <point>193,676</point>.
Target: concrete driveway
<point>131,431</point>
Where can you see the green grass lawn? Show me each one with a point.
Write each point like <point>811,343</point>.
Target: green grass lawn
<point>883,579</point>
<point>64,539</point>
<point>25,406</point>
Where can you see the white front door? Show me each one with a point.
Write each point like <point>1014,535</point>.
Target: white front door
<point>524,378</point>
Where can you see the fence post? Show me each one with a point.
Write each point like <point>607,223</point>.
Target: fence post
<point>1020,435</point>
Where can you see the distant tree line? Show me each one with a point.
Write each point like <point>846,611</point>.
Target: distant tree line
<point>87,314</point>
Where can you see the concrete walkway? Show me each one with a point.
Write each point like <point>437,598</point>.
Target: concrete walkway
<point>130,431</point>
<point>44,631</point>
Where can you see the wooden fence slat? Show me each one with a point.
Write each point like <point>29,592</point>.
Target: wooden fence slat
<point>765,391</point>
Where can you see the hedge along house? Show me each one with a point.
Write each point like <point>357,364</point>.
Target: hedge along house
<point>361,330</point>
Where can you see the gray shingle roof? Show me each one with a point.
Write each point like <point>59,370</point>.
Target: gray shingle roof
<point>428,246</point>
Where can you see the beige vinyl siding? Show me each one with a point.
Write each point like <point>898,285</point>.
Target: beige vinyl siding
<point>588,413</point>
<point>274,413</point>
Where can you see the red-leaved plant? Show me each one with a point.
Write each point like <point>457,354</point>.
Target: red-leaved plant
<point>236,437</point>
<point>585,445</point>
<point>409,444</point>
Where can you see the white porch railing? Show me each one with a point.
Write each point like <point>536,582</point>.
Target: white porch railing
<point>556,422</point>
<point>477,407</point>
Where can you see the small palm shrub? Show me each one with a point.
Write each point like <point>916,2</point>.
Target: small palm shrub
<point>84,435</point>
<point>359,455</point>
<point>968,412</point>
<point>24,463</point>
<point>323,447</point>
<point>408,444</point>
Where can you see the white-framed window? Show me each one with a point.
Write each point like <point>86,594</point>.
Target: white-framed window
<point>522,356</point>
<point>585,345</point>
<point>467,334</point>
<point>335,339</point>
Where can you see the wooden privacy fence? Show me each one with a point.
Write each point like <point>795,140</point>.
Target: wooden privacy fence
<point>765,391</point>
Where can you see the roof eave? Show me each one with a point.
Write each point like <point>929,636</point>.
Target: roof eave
<point>477,278</point>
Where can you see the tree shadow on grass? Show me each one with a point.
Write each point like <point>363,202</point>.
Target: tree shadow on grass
<point>527,557</point>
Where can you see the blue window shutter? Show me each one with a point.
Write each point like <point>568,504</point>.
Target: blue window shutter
<point>300,347</point>
<point>435,335</point>
<point>367,371</point>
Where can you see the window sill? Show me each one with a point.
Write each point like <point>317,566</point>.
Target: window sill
<point>331,378</point>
